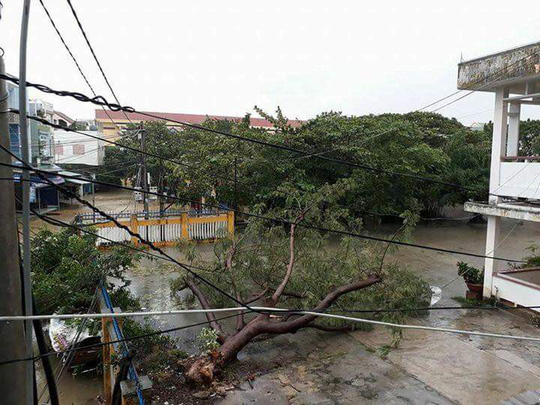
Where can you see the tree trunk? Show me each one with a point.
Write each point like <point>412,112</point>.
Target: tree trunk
<point>205,368</point>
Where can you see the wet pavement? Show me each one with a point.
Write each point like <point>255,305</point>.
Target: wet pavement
<point>426,368</point>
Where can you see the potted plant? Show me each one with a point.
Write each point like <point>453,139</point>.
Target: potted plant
<point>473,276</point>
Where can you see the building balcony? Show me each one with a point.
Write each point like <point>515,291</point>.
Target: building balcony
<point>519,178</point>
<point>518,287</point>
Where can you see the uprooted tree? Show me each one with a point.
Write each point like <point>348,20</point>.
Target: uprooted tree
<point>294,266</point>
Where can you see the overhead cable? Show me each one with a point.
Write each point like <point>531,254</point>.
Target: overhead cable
<point>265,218</point>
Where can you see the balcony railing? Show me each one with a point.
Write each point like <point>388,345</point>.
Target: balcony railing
<point>519,177</point>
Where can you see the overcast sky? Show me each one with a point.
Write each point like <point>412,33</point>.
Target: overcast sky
<point>307,56</point>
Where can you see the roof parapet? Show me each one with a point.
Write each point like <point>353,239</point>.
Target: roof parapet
<point>512,66</point>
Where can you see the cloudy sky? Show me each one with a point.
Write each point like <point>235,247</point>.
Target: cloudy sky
<point>307,56</point>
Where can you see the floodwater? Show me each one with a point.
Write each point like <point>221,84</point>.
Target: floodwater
<point>151,278</point>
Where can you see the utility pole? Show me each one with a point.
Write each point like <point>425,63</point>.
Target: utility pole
<point>161,188</point>
<point>235,183</point>
<point>12,342</point>
<point>144,171</point>
<point>27,281</point>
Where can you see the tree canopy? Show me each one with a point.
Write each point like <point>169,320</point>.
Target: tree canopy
<point>240,173</point>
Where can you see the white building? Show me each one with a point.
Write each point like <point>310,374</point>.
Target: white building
<point>72,148</point>
<point>513,77</point>
<point>41,136</point>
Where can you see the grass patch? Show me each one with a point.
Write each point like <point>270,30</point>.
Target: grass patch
<point>467,302</point>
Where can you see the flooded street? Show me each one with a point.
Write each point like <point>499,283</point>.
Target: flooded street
<point>150,282</point>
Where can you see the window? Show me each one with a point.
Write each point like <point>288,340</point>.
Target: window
<point>58,149</point>
<point>78,149</point>
<point>15,139</point>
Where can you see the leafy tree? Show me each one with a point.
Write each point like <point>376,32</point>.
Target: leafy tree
<point>295,267</point>
<point>67,268</point>
<point>118,164</point>
<point>233,172</point>
<point>529,136</point>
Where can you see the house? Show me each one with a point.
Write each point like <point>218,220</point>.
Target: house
<point>43,196</point>
<point>59,118</point>
<point>76,148</point>
<point>41,135</point>
<point>513,76</point>
<point>112,122</point>
<point>13,119</point>
<point>477,126</point>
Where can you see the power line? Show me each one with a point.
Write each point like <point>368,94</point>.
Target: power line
<point>111,342</point>
<point>496,73</point>
<point>296,312</point>
<point>73,57</point>
<point>100,100</point>
<point>67,192</point>
<point>12,318</point>
<point>94,55</point>
<point>263,217</point>
<point>57,222</point>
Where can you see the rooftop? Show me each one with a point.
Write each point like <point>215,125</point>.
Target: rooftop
<point>119,116</point>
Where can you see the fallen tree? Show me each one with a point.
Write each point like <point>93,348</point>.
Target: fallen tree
<point>292,267</point>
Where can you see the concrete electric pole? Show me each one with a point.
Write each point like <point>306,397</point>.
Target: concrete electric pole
<point>25,143</point>
<point>13,384</point>
<point>144,172</point>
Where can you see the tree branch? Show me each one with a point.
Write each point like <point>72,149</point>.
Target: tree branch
<point>204,303</point>
<point>294,325</point>
<point>290,266</point>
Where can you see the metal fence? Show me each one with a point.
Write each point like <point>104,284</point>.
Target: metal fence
<point>123,382</point>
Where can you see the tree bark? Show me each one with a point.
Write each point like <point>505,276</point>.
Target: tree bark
<point>204,303</point>
<point>203,369</point>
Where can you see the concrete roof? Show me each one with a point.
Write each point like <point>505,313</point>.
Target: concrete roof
<point>511,68</point>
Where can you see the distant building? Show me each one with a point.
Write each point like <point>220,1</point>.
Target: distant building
<point>59,118</point>
<point>72,148</point>
<point>40,134</point>
<point>13,119</point>
<point>111,129</point>
<point>43,196</point>
<point>513,77</point>
<point>477,126</point>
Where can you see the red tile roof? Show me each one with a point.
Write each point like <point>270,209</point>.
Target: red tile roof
<point>189,118</point>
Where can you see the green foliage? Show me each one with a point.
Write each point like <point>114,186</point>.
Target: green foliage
<point>471,274</point>
<point>68,267</point>
<point>208,340</point>
<point>533,260</point>
<point>152,353</point>
<point>78,126</point>
<point>423,144</point>
<point>118,164</point>
<point>468,302</point>
<point>261,255</point>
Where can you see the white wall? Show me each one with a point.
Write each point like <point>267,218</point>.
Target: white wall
<point>73,148</point>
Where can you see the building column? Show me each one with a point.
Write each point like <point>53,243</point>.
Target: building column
<point>514,115</point>
<point>492,241</point>
<point>498,147</point>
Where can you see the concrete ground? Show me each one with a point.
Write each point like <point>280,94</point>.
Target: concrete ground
<point>426,368</point>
